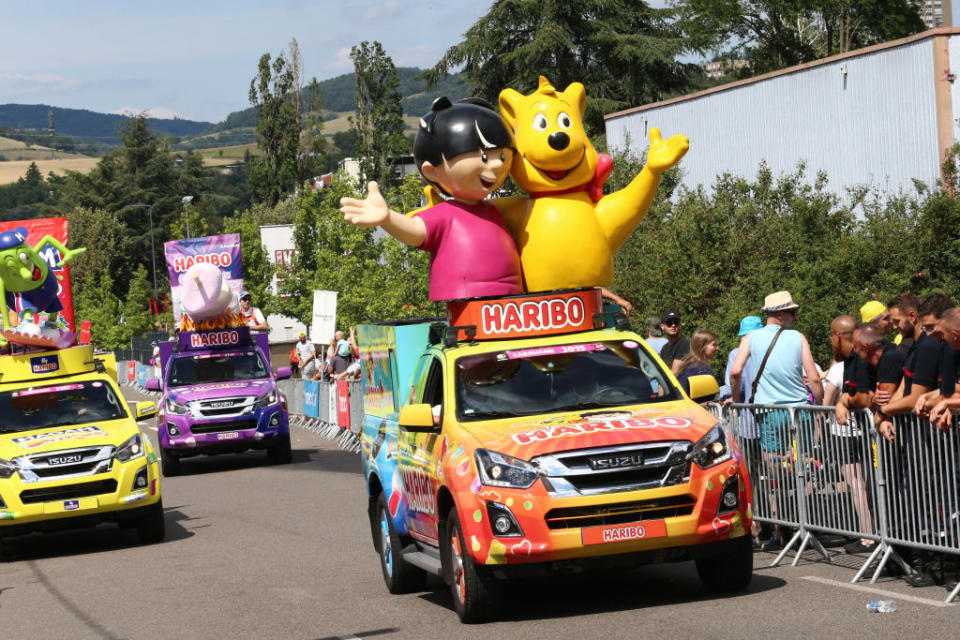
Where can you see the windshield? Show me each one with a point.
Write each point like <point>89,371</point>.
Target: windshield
<point>593,375</point>
<point>59,405</point>
<point>220,367</point>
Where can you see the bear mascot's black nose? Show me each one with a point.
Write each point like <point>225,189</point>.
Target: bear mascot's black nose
<point>559,140</point>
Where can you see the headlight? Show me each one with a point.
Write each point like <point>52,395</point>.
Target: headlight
<point>7,468</point>
<point>132,448</point>
<point>499,470</point>
<point>177,408</point>
<point>267,399</point>
<point>711,449</point>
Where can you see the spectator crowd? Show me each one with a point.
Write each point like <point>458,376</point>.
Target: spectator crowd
<point>897,359</point>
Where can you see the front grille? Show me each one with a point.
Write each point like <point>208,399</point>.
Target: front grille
<point>224,406</point>
<point>66,463</point>
<point>620,512</point>
<point>82,490</point>
<point>82,469</point>
<point>217,427</point>
<point>615,469</point>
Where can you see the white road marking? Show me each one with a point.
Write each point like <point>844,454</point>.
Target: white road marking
<point>881,592</point>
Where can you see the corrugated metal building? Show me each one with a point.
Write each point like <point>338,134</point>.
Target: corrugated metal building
<point>881,116</point>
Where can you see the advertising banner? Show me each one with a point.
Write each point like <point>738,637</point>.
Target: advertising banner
<point>343,404</point>
<point>324,323</point>
<point>311,398</point>
<point>57,228</point>
<point>221,251</point>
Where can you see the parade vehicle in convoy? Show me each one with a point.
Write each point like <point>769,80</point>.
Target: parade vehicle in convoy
<point>526,436</point>
<point>219,395</point>
<point>71,453</point>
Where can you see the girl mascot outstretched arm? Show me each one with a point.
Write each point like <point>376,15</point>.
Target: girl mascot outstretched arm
<point>464,149</point>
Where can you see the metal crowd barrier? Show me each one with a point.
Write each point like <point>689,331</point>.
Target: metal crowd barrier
<point>811,474</point>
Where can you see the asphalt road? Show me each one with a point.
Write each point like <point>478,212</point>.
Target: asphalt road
<point>261,551</point>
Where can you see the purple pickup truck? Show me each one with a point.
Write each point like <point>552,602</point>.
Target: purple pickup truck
<point>219,396</point>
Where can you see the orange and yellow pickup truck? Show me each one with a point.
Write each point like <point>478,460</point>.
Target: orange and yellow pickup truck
<point>525,436</point>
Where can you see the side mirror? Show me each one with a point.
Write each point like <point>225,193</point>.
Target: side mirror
<point>153,384</point>
<point>145,410</point>
<point>703,388</point>
<point>417,418</point>
<point>284,372</point>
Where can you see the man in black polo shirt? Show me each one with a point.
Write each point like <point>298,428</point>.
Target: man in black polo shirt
<point>905,319</point>
<point>930,311</point>
<point>677,346</point>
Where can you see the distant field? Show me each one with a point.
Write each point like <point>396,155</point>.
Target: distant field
<point>15,150</point>
<point>13,171</point>
<point>220,156</point>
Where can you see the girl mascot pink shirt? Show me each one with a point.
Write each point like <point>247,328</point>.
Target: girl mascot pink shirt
<point>465,149</point>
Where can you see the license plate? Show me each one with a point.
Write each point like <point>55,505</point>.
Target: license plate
<point>77,504</point>
<point>232,435</point>
<point>624,532</point>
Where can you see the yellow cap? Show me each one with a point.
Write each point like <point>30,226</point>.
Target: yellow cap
<point>871,310</point>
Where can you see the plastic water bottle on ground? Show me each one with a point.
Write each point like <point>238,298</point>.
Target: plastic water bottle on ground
<point>882,606</point>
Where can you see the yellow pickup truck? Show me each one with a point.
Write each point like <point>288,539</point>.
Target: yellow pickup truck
<point>71,453</point>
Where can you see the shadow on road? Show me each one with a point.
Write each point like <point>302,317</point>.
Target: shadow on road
<point>364,634</point>
<point>588,594</point>
<point>313,459</point>
<point>103,537</point>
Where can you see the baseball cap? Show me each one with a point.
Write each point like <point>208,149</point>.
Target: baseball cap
<point>302,334</point>
<point>243,294</point>
<point>871,310</point>
<point>669,315</point>
<point>748,324</point>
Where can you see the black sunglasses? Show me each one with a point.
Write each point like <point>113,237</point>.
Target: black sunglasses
<point>673,322</point>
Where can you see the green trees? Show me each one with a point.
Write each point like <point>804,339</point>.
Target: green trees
<point>289,127</point>
<point>624,52</point>
<point>379,117</point>
<point>377,277</point>
<point>773,34</point>
<point>713,253</point>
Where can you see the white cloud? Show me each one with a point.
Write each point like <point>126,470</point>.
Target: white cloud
<point>20,83</point>
<point>162,113</point>
<point>380,11</point>
<point>340,61</point>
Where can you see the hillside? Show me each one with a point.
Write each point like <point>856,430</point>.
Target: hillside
<point>338,96</point>
<point>84,124</point>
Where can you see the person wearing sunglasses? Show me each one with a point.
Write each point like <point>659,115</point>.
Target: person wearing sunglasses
<point>677,346</point>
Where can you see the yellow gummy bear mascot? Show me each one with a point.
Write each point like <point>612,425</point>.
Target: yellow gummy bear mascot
<point>565,232</point>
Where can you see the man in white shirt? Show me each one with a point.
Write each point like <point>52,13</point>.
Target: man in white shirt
<point>308,356</point>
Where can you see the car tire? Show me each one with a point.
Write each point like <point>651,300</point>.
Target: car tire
<point>281,452</point>
<point>151,526</point>
<point>169,463</point>
<point>728,572</point>
<point>399,575</point>
<point>476,596</point>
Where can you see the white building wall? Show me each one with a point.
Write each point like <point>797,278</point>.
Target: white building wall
<point>864,120</point>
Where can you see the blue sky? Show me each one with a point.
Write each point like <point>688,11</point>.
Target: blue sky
<point>196,59</point>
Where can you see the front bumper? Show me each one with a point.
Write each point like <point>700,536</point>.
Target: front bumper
<point>44,505</point>
<point>554,529</point>
<point>193,436</point>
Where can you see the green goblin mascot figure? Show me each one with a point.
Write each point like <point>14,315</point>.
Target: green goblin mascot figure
<point>29,287</point>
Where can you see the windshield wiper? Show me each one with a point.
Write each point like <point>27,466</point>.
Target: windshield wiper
<point>490,414</point>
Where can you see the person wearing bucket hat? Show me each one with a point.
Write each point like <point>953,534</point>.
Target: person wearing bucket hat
<point>784,357</point>
<point>747,324</point>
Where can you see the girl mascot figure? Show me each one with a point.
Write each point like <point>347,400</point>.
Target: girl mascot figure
<point>465,149</point>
